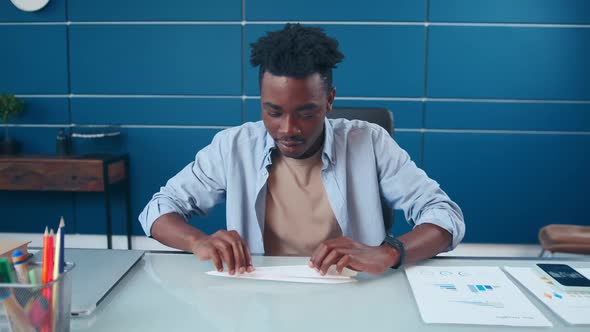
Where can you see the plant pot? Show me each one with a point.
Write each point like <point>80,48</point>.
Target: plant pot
<point>9,146</point>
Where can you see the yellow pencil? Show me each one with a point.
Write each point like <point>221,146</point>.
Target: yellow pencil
<point>57,257</point>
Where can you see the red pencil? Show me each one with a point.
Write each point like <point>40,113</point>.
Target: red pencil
<point>45,261</point>
<point>51,261</point>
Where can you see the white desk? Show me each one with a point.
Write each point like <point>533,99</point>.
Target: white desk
<point>170,292</point>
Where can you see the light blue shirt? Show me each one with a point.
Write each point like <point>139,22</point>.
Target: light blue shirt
<point>361,164</point>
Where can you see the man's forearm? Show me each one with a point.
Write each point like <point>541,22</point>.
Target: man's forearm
<point>425,241</point>
<point>170,229</point>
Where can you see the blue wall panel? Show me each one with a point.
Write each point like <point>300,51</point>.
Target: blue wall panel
<point>33,59</point>
<point>380,61</point>
<point>169,151</point>
<point>157,111</point>
<point>44,111</point>
<point>35,140</point>
<point>508,116</point>
<point>30,212</point>
<point>510,185</point>
<point>155,59</point>
<point>510,11</point>
<point>412,143</point>
<point>505,67</point>
<point>54,11</point>
<point>147,10</point>
<point>336,10</point>
<point>501,62</point>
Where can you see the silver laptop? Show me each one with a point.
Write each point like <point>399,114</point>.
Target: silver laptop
<point>96,273</point>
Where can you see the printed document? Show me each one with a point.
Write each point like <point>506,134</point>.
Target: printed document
<point>471,295</point>
<point>293,273</point>
<point>571,306</point>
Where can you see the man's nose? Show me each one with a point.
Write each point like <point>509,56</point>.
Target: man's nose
<point>289,127</point>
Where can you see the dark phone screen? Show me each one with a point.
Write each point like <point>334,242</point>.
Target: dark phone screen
<point>565,275</point>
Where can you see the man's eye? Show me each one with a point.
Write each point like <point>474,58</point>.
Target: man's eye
<point>307,115</point>
<point>273,114</point>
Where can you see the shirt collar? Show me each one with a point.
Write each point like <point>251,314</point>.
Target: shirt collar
<point>328,149</point>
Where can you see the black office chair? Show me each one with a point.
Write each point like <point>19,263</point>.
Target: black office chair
<point>377,115</point>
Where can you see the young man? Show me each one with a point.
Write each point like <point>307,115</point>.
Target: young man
<point>300,184</point>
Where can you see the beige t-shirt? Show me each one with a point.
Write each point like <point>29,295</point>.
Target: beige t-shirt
<point>298,213</point>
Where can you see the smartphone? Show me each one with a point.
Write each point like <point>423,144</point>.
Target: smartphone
<point>566,277</point>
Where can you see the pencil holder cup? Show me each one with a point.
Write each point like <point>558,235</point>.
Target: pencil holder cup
<point>37,307</point>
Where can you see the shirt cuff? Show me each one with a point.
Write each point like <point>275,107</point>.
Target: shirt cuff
<point>443,219</point>
<point>153,211</point>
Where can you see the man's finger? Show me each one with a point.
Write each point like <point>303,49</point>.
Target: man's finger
<point>331,258</point>
<point>227,254</point>
<point>216,259</point>
<point>342,263</point>
<point>239,254</point>
<point>318,257</point>
<point>248,258</point>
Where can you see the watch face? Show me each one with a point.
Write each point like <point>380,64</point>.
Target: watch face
<point>29,5</point>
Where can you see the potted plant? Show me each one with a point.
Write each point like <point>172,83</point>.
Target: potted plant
<point>10,106</point>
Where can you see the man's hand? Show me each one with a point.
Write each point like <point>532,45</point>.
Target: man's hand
<point>345,252</point>
<point>224,247</point>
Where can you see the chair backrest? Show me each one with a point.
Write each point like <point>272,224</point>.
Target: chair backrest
<point>377,115</point>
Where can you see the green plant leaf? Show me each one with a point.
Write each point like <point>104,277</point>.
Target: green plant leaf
<point>10,106</point>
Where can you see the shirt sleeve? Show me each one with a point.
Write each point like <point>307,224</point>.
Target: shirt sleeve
<point>405,186</point>
<point>194,190</point>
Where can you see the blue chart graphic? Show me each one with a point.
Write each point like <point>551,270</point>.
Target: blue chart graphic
<point>481,288</point>
<point>447,286</point>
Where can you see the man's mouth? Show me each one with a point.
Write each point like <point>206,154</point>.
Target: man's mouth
<point>290,143</point>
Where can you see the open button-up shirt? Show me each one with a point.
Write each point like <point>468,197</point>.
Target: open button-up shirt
<point>361,165</point>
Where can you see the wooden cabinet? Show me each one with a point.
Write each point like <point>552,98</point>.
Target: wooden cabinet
<point>90,173</point>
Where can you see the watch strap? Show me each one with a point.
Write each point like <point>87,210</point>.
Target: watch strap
<point>397,245</point>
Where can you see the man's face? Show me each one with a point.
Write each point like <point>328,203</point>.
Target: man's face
<point>293,112</point>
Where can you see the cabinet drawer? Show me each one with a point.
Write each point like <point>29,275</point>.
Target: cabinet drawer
<point>57,175</point>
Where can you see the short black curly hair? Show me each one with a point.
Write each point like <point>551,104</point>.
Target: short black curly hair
<point>296,51</point>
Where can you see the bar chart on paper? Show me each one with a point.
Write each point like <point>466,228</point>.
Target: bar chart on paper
<point>471,295</point>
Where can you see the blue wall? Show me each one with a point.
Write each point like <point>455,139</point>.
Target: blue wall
<point>490,97</point>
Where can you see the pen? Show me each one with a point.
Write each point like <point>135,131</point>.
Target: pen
<point>19,260</point>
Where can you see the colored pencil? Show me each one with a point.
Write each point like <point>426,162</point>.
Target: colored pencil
<point>57,255</point>
<point>62,263</point>
<point>45,259</point>
<point>50,243</point>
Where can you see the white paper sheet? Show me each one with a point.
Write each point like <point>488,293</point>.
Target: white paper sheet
<point>471,295</point>
<point>573,307</point>
<point>293,273</point>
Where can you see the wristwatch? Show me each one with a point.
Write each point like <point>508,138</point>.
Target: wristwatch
<point>397,245</point>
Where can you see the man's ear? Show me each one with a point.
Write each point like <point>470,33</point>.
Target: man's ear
<point>331,97</point>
